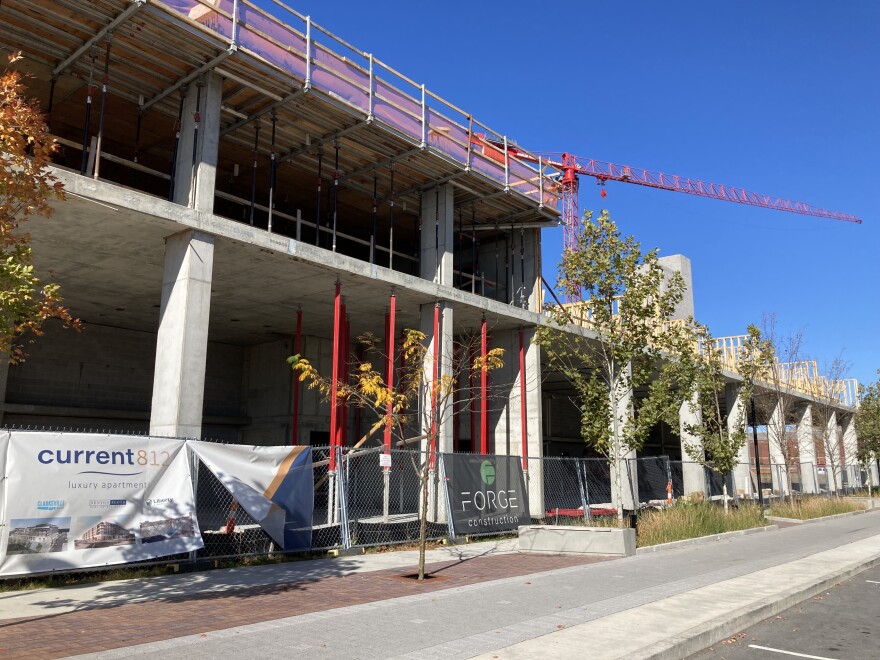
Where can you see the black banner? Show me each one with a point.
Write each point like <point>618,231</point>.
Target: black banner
<point>486,493</point>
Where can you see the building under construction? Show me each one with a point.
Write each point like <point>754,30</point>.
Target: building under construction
<point>245,186</point>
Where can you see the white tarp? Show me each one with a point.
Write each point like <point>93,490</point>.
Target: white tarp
<point>78,500</point>
<point>275,485</point>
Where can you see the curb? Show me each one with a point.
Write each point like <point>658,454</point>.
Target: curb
<point>798,521</point>
<point>672,545</point>
<point>699,639</point>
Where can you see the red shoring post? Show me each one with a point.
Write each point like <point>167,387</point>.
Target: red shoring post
<point>456,396</point>
<point>435,388</point>
<point>484,386</point>
<point>389,362</point>
<point>297,349</point>
<point>522,404</point>
<point>346,377</point>
<point>334,377</point>
<point>472,387</point>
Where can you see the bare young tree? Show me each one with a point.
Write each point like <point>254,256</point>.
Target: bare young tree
<point>827,391</point>
<point>773,365</point>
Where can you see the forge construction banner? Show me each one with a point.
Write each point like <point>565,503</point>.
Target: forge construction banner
<point>275,485</point>
<point>485,493</point>
<point>75,500</point>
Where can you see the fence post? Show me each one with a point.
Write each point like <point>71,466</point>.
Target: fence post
<point>450,528</point>
<point>342,497</point>
<point>194,477</point>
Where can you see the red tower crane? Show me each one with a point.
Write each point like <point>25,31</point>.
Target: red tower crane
<point>572,167</point>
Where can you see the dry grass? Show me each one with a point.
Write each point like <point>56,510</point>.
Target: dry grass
<point>687,521</point>
<point>813,507</point>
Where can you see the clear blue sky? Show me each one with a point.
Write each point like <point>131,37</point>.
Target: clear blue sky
<point>778,97</point>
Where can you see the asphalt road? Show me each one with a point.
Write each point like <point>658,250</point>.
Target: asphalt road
<point>843,622</point>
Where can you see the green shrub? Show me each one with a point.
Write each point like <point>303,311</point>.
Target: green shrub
<point>685,520</point>
<point>813,507</point>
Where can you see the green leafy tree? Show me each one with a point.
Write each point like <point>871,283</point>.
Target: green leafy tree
<point>772,366</point>
<point>26,188</point>
<point>609,344</point>
<point>867,421</point>
<point>699,374</point>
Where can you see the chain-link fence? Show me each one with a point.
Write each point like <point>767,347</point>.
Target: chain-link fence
<point>573,490</point>
<point>653,476</point>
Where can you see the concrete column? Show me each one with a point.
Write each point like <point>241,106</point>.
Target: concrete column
<point>527,277</point>
<point>438,236</point>
<point>777,460</point>
<point>737,417</point>
<point>807,451</point>
<point>832,454</point>
<point>626,463</point>
<point>850,442</point>
<point>693,472</point>
<point>182,341</point>
<point>195,178</point>
<point>678,263</point>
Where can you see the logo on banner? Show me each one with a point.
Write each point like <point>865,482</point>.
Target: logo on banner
<point>486,495</point>
<point>50,505</point>
<point>106,504</point>
<point>159,500</point>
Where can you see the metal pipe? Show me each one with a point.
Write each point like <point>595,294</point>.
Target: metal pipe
<point>254,173</point>
<point>524,433</point>
<point>438,270</point>
<point>88,119</point>
<point>308,81</point>
<point>757,454</point>
<point>176,143</point>
<point>297,349</point>
<point>473,249</point>
<point>424,120</point>
<point>334,375</point>
<point>197,118</point>
<point>234,34</point>
<point>137,143</point>
<point>373,235</point>
<point>484,389</point>
<point>342,421</point>
<point>370,92</point>
<point>51,96</point>
<point>391,224</point>
<point>318,203</point>
<point>272,173</point>
<point>335,191</point>
<point>389,366</point>
<point>506,167</point>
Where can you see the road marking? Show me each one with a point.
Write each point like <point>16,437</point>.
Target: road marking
<point>798,655</point>
<point>872,581</point>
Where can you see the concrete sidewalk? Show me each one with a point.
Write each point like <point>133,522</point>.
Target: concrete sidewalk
<point>664,604</point>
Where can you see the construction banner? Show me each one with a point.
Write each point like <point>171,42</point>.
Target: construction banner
<point>80,500</point>
<point>485,493</point>
<point>275,485</point>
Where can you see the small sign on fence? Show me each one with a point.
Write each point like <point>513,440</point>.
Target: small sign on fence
<point>485,493</point>
<point>385,460</point>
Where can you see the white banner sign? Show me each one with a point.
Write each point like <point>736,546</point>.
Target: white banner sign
<point>78,500</point>
<point>275,485</point>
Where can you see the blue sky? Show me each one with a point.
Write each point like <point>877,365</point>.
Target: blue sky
<point>779,97</point>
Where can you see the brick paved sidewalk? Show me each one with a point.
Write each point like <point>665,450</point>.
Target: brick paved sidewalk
<point>94,629</point>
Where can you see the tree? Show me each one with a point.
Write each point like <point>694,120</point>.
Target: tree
<point>624,314</point>
<point>771,364</point>
<point>867,421</point>
<point>420,400</point>
<point>25,190</point>
<point>702,387</point>
<point>826,391</point>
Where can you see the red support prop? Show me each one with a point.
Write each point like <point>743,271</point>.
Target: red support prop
<point>484,387</point>
<point>456,396</point>
<point>334,376</point>
<point>472,389</point>
<point>297,349</point>
<point>522,404</point>
<point>392,317</point>
<point>345,376</point>
<point>435,389</point>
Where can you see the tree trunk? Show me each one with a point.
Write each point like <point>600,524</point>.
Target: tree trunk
<point>724,495</point>
<point>423,518</point>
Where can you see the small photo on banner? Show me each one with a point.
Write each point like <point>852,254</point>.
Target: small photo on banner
<point>275,485</point>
